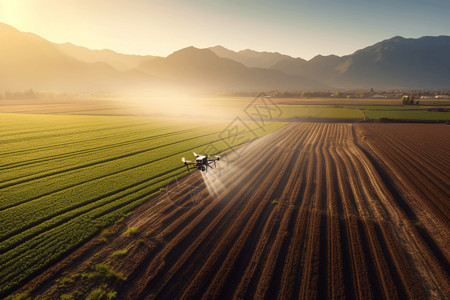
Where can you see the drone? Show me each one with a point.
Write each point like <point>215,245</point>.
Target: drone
<point>202,162</point>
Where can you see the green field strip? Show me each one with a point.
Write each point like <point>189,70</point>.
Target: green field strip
<point>127,143</point>
<point>53,245</point>
<point>21,216</point>
<point>22,250</point>
<point>7,205</point>
<point>365,107</point>
<point>39,174</point>
<point>35,137</point>
<point>155,185</point>
<point>75,154</point>
<point>44,241</point>
<point>10,147</point>
<point>355,112</point>
<point>93,124</point>
<point>77,166</point>
<point>108,112</point>
<point>101,176</point>
<point>30,194</point>
<point>79,140</point>
<point>290,111</point>
<point>29,122</point>
<point>118,196</point>
<point>27,131</point>
<point>396,107</point>
<point>76,142</point>
<point>106,109</point>
<point>410,115</point>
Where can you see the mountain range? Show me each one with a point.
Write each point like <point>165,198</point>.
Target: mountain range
<point>29,61</point>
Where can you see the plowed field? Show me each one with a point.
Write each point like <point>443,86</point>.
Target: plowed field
<point>310,211</point>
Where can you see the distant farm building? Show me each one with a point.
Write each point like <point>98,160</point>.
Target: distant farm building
<point>442,97</point>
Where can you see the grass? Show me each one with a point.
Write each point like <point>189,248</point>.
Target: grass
<point>323,111</point>
<point>101,272</point>
<point>131,231</point>
<point>106,234</point>
<point>101,277</point>
<point>101,293</point>
<point>120,252</point>
<point>66,177</point>
<point>21,296</point>
<point>396,112</point>
<point>72,296</point>
<point>410,115</point>
<point>64,283</point>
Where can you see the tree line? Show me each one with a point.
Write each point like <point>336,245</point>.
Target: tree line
<point>32,94</point>
<point>358,94</point>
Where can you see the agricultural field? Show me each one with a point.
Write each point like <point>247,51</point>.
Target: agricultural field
<point>224,108</point>
<point>65,177</point>
<point>368,112</point>
<point>313,210</point>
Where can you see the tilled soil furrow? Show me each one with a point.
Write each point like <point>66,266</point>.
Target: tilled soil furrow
<point>311,262</point>
<point>206,224</point>
<point>256,238</point>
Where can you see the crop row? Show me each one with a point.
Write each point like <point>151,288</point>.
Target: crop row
<point>50,165</point>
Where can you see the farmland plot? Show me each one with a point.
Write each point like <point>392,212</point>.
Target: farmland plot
<point>307,212</point>
<point>63,178</point>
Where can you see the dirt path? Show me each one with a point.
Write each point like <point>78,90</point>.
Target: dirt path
<point>308,212</point>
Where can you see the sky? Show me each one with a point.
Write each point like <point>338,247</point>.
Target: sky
<point>301,28</point>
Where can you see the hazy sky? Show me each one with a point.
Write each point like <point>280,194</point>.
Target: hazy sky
<point>302,28</point>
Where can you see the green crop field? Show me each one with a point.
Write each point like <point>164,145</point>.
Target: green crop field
<point>323,111</point>
<point>65,177</point>
<point>409,115</point>
<point>70,169</point>
<point>395,112</point>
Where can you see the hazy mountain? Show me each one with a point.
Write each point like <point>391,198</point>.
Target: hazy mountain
<point>400,62</point>
<point>324,68</point>
<point>390,64</point>
<point>122,62</point>
<point>250,58</point>
<point>202,68</point>
<point>28,61</point>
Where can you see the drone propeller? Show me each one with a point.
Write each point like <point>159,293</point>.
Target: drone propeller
<point>217,156</point>
<point>195,154</point>
<point>185,161</point>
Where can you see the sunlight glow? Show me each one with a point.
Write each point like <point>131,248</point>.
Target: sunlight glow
<point>11,12</point>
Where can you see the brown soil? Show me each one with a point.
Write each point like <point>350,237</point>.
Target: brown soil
<point>310,211</point>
